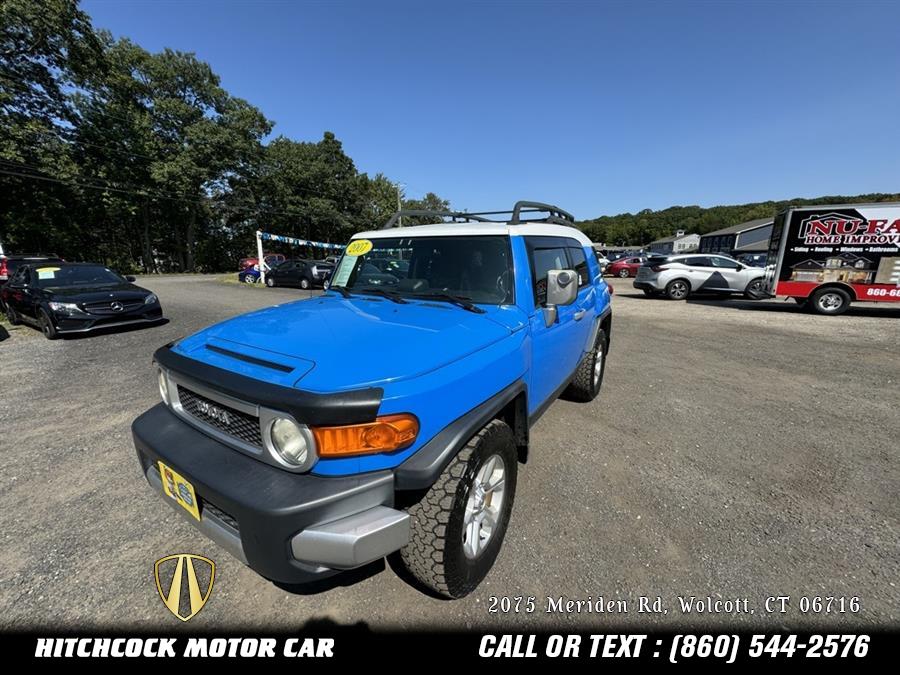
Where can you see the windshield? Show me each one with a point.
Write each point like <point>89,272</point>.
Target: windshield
<point>477,268</point>
<point>83,275</point>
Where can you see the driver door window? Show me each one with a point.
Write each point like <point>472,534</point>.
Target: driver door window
<point>543,260</point>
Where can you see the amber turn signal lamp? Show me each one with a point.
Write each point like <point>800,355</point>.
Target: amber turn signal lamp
<point>385,434</point>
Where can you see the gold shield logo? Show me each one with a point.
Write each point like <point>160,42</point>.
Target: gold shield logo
<point>185,605</point>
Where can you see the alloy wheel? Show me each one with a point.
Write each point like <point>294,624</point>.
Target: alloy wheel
<point>830,302</point>
<point>598,365</point>
<point>484,506</point>
<point>678,290</point>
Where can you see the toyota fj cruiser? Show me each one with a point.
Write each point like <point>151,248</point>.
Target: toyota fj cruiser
<point>391,412</point>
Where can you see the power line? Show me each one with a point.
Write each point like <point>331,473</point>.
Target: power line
<point>262,211</point>
<point>61,135</point>
<point>162,194</point>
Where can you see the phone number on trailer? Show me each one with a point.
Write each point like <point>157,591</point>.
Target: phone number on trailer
<point>883,292</point>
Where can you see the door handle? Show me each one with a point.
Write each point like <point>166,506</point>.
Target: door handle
<point>580,314</point>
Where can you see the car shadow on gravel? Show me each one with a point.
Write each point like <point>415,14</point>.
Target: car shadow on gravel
<point>791,307</point>
<point>711,297</point>
<point>339,580</point>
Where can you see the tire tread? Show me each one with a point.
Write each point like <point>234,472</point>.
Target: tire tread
<point>424,555</point>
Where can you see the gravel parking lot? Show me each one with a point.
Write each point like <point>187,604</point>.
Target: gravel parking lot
<point>738,450</point>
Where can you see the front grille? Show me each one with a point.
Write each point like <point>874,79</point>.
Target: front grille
<point>241,425</point>
<point>107,307</point>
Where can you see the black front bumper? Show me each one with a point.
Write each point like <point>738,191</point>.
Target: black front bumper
<point>252,509</point>
<point>90,322</point>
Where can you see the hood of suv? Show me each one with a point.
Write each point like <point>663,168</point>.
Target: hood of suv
<point>330,343</point>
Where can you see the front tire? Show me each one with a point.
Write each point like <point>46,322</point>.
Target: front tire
<point>830,301</point>
<point>678,289</point>
<point>458,526</point>
<point>624,274</point>
<point>12,316</point>
<point>270,282</point>
<point>589,376</point>
<point>754,289</point>
<point>47,327</point>
<point>304,284</point>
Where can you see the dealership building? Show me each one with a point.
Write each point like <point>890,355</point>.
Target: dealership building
<point>678,243</point>
<point>746,238</point>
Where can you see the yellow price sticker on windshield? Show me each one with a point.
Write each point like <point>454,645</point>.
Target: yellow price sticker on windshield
<point>359,247</point>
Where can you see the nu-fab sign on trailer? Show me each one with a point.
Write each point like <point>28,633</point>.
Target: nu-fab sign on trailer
<point>293,241</point>
<point>829,256</point>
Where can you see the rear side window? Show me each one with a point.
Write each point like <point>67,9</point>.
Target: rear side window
<point>21,276</point>
<point>579,264</point>
<point>697,261</point>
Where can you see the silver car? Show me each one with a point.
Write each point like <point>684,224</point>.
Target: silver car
<point>677,276</point>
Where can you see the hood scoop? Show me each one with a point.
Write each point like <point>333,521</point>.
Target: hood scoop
<point>250,359</point>
<point>260,364</point>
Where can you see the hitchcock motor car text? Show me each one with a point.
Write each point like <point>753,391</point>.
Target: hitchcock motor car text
<point>773,604</point>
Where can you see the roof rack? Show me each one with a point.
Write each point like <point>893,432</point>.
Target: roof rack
<point>455,216</point>
<point>554,214</point>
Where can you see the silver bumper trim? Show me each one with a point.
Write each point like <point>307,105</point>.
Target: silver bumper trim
<point>354,540</point>
<point>117,324</point>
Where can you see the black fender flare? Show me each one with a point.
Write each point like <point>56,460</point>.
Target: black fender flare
<point>423,468</point>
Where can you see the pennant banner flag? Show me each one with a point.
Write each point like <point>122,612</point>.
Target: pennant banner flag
<point>298,242</point>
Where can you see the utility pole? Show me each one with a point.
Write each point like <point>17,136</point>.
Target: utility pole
<point>399,187</point>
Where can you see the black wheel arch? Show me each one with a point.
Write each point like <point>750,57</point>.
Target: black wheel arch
<point>424,467</point>
<point>847,288</point>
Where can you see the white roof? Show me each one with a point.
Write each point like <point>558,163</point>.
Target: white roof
<point>475,228</point>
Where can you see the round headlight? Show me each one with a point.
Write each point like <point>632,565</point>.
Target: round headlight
<point>163,387</point>
<point>289,441</point>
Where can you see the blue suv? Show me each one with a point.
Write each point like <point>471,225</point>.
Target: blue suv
<point>390,413</point>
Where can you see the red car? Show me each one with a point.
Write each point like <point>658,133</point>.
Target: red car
<point>272,259</point>
<point>625,267</point>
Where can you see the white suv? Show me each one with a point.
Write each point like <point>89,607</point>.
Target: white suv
<point>677,276</point>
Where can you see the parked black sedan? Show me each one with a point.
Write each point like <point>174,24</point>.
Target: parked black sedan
<point>61,298</point>
<point>301,273</point>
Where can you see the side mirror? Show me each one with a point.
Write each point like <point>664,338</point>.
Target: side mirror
<point>130,278</point>
<point>738,267</point>
<point>562,289</point>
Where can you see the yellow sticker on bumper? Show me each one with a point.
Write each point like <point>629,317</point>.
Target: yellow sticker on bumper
<point>179,489</point>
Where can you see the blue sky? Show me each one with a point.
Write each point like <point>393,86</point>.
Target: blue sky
<point>601,107</point>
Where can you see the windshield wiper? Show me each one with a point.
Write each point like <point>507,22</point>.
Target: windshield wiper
<point>393,296</point>
<point>459,300</point>
<point>340,289</point>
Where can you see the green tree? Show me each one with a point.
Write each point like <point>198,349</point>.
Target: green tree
<point>46,49</point>
<point>167,137</point>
